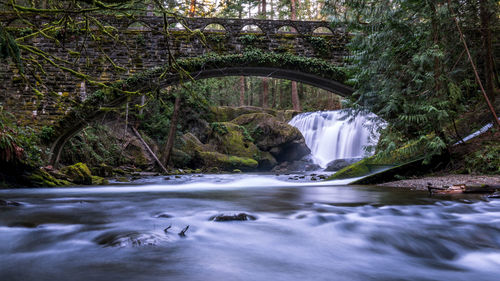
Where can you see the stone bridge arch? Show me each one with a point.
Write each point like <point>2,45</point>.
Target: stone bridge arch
<point>310,71</point>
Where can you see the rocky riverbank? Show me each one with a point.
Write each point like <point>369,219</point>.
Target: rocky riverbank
<point>421,183</point>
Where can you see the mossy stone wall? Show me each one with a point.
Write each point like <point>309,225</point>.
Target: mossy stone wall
<point>125,50</point>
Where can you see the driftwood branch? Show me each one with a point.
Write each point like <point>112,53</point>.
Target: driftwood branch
<point>183,232</point>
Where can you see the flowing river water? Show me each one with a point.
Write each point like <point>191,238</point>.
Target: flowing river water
<point>302,231</point>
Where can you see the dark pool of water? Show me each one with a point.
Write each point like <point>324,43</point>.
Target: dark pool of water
<point>302,231</point>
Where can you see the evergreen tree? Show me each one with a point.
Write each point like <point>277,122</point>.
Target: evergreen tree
<point>408,67</point>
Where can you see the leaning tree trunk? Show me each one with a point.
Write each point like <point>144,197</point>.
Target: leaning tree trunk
<point>167,149</point>
<point>489,66</point>
<point>295,94</point>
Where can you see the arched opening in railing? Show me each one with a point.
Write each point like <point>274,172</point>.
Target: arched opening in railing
<point>286,29</point>
<point>214,27</point>
<point>322,30</point>
<point>251,28</point>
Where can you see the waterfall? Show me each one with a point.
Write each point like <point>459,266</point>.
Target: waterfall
<point>330,138</point>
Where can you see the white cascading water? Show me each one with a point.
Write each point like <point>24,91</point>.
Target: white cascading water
<point>330,138</point>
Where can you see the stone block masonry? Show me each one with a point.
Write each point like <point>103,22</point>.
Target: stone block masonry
<point>124,46</point>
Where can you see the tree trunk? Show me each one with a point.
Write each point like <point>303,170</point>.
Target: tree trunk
<point>265,93</point>
<point>242,90</point>
<point>295,97</point>
<point>489,67</point>
<point>263,11</point>
<point>192,8</point>
<point>273,92</point>
<point>282,97</point>
<point>167,149</point>
<point>435,38</point>
<point>476,74</point>
<point>250,92</point>
<point>272,9</point>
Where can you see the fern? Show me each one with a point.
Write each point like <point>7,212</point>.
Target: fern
<point>9,48</point>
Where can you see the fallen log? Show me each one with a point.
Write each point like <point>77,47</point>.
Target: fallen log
<point>481,188</point>
<point>462,188</point>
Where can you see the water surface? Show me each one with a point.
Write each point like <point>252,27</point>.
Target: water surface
<point>302,231</point>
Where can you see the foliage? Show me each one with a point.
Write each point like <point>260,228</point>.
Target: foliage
<point>46,134</point>
<point>18,143</point>
<point>9,47</point>
<point>485,160</point>
<point>408,69</point>
<point>158,111</point>
<point>94,146</point>
<point>320,45</point>
<point>219,128</point>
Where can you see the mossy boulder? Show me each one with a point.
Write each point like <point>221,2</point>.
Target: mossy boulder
<point>289,114</point>
<point>364,167</point>
<point>99,181</point>
<point>232,139</point>
<point>41,178</point>
<point>103,170</point>
<point>180,158</point>
<point>78,173</point>
<point>357,169</point>
<point>266,161</point>
<point>191,145</point>
<point>228,113</point>
<point>227,162</point>
<point>282,140</point>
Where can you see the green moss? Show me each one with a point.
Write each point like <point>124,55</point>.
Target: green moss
<point>180,158</point>
<point>122,179</point>
<point>357,169</point>
<point>103,170</point>
<point>192,145</point>
<point>219,128</point>
<point>266,130</point>
<point>99,181</point>
<point>232,140</point>
<point>266,161</point>
<point>368,165</point>
<point>78,173</point>
<point>226,162</point>
<point>40,178</point>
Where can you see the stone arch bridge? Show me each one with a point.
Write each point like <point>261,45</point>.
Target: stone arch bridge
<point>72,75</point>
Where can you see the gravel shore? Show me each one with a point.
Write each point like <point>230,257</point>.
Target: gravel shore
<point>448,180</point>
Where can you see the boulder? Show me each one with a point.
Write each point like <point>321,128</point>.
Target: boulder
<point>338,164</point>
<point>227,162</point>
<point>78,173</point>
<point>228,113</point>
<point>232,139</point>
<point>103,170</point>
<point>180,158</point>
<point>96,180</point>
<point>41,178</point>
<point>282,140</point>
<point>191,144</point>
<point>296,166</point>
<point>238,217</point>
<point>266,161</point>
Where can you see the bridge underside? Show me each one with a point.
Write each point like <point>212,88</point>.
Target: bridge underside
<point>308,71</point>
<point>310,79</point>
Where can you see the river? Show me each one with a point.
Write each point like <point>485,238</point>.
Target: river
<point>302,231</point>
